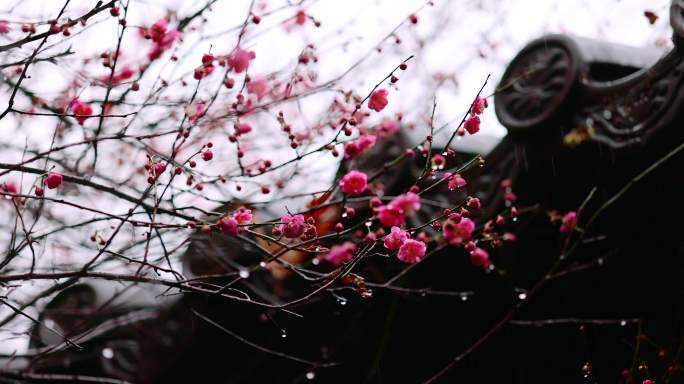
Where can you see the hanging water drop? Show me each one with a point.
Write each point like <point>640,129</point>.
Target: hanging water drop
<point>310,375</point>
<point>522,295</point>
<point>369,223</point>
<point>283,335</point>
<point>244,273</point>
<point>107,353</point>
<point>263,264</point>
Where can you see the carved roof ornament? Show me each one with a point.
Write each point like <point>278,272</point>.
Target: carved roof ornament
<point>587,90</point>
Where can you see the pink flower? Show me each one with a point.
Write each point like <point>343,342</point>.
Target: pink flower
<point>158,30</point>
<point>195,110</point>
<point>438,161</point>
<point>53,180</point>
<point>412,251</point>
<point>390,216</point>
<point>10,187</point>
<point>292,226</point>
<point>472,124</point>
<point>478,105</point>
<point>354,183</point>
<point>474,203</point>
<point>81,110</point>
<point>359,146</point>
<point>387,127</point>
<point>259,87</point>
<point>457,233</point>
<point>300,18</point>
<point>243,216</point>
<point>228,225</point>
<point>407,203</point>
<point>125,74</point>
<point>480,258</point>
<point>365,142</point>
<point>162,38</point>
<point>159,168</point>
<point>456,181</point>
<point>341,254</point>
<point>4,27</point>
<point>569,222</point>
<point>378,100</point>
<point>207,59</point>
<point>395,239</point>
<point>242,128</point>
<point>239,59</point>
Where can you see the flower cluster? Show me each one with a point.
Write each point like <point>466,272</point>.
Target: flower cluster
<point>231,224</point>
<point>472,123</point>
<point>394,213</point>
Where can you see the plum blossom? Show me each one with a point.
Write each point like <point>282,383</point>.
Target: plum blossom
<point>569,222</point>
<point>242,128</point>
<point>259,87</point>
<point>456,181</point>
<point>341,254</point>
<point>10,187</point>
<point>292,226</point>
<point>378,100</point>
<point>53,180</point>
<point>195,110</point>
<point>394,213</point>
<point>480,258</point>
<point>243,216</point>
<point>228,225</point>
<point>158,30</point>
<point>478,105</point>
<point>162,38</point>
<point>4,27</point>
<point>239,59</point>
<point>457,233</point>
<point>124,74</point>
<point>472,124</point>
<point>81,110</point>
<point>387,127</point>
<point>354,183</point>
<point>359,146</point>
<point>407,203</point>
<point>412,251</point>
<point>395,239</point>
<point>390,216</point>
